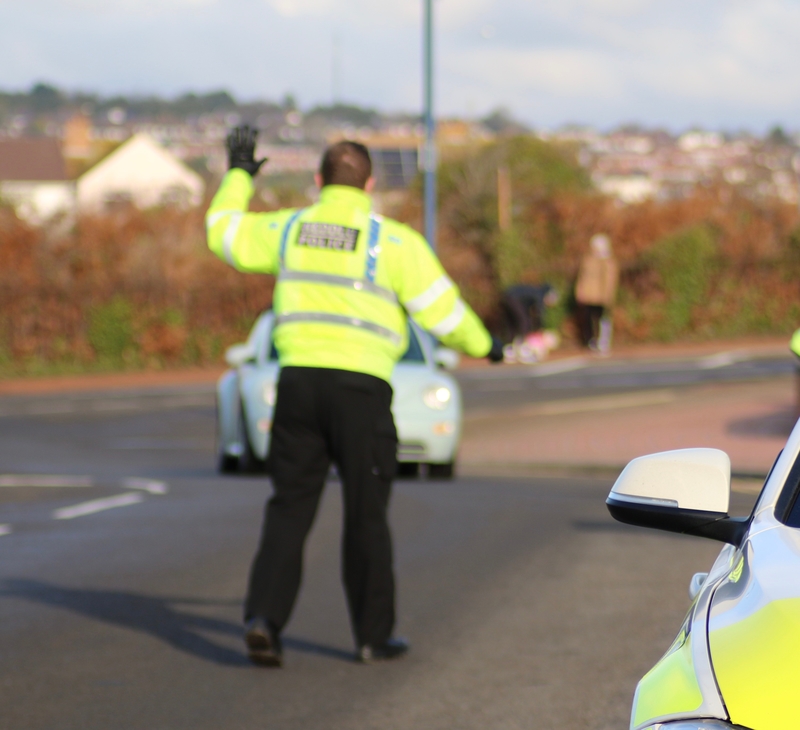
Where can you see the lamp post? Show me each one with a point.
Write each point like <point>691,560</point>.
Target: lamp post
<point>429,146</point>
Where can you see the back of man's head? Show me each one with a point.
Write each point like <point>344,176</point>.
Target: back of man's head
<point>346,163</point>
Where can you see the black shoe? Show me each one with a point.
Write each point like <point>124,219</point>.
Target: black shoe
<point>263,644</point>
<point>392,649</point>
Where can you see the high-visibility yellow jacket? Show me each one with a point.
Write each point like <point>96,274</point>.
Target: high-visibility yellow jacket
<point>345,279</point>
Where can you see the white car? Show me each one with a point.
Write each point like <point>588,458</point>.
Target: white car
<point>426,406</point>
<point>735,663</point>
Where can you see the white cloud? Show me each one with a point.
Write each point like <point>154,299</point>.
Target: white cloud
<point>452,15</point>
<point>128,7</point>
<point>557,72</point>
<point>449,15</point>
<point>749,58</point>
<point>359,12</point>
<point>576,9</point>
<point>297,8</point>
<point>722,62</point>
<point>731,60</point>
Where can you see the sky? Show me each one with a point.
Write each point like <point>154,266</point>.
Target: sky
<point>721,64</point>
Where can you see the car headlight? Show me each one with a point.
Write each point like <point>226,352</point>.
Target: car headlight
<point>437,397</point>
<point>268,393</point>
<point>699,724</point>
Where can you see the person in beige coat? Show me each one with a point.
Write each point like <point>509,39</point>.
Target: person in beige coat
<point>595,292</point>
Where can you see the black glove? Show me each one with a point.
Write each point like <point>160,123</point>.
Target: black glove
<point>496,353</point>
<point>241,144</point>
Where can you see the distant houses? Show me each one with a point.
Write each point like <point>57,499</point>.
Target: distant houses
<point>140,172</point>
<point>34,180</point>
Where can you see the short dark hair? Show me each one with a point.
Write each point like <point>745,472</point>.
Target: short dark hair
<point>346,163</point>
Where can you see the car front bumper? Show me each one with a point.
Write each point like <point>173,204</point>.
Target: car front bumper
<point>432,441</point>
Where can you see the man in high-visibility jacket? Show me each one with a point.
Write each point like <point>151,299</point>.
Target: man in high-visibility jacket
<point>346,280</point>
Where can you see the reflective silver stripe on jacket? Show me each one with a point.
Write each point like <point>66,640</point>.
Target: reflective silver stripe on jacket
<point>213,218</point>
<point>230,236</point>
<point>325,318</point>
<point>343,281</point>
<point>451,321</point>
<point>430,295</point>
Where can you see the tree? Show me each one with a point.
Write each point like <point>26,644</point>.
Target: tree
<point>44,98</point>
<point>500,121</point>
<point>778,137</point>
<point>538,171</point>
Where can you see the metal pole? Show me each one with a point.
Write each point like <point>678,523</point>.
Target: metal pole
<point>429,148</point>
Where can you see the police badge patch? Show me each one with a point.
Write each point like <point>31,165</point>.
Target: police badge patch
<point>327,235</point>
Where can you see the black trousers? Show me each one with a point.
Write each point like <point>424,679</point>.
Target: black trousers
<point>590,316</point>
<point>322,416</point>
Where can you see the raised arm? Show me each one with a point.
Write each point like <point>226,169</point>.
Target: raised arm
<point>248,241</point>
<point>433,300</point>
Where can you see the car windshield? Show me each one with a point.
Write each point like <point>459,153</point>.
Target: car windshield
<point>414,353</point>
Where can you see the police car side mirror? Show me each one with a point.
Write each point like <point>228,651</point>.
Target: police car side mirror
<point>696,584</point>
<point>686,491</point>
<point>446,358</point>
<point>238,355</point>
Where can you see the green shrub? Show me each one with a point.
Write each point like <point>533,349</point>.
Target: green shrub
<point>173,317</point>
<point>5,354</point>
<point>468,196</point>
<point>556,314</point>
<point>111,329</point>
<point>513,254</point>
<point>685,263</point>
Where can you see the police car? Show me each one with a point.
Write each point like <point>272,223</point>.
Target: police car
<point>736,660</point>
<point>426,406</point>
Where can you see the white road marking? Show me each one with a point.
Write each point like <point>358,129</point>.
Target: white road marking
<point>5,530</point>
<point>115,405</point>
<point>505,384</point>
<point>97,505</point>
<point>146,485</point>
<point>559,366</point>
<point>44,480</point>
<point>50,409</point>
<point>605,403</point>
<point>151,444</point>
<point>721,360</point>
<point>578,405</point>
<point>538,370</point>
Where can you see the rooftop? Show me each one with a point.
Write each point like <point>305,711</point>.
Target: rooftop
<point>31,158</point>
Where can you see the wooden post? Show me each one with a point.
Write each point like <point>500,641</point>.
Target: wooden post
<point>503,198</point>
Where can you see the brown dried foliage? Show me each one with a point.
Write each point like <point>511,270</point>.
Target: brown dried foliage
<point>185,303</point>
<point>755,280</point>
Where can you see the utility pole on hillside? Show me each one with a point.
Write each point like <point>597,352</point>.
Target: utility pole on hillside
<point>429,147</point>
<point>503,198</point>
<point>336,70</point>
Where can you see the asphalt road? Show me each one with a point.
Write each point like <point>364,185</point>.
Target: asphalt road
<point>577,377</point>
<point>483,388</point>
<point>527,606</point>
